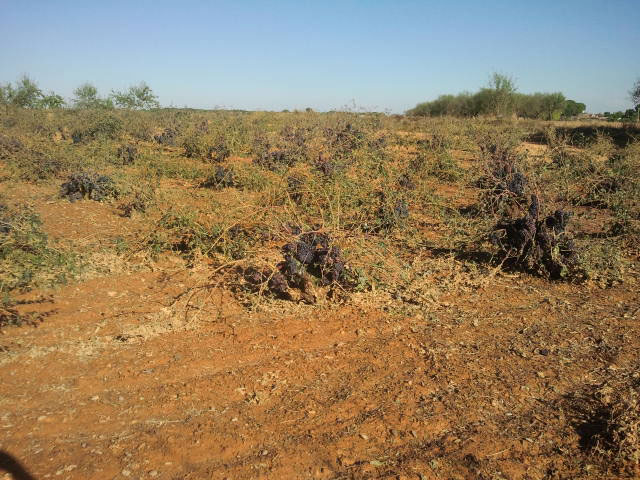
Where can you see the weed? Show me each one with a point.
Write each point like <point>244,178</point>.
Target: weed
<point>195,146</point>
<point>26,258</point>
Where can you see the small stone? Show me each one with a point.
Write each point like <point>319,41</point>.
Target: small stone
<point>153,473</point>
<point>265,453</point>
<point>364,436</point>
<point>126,473</point>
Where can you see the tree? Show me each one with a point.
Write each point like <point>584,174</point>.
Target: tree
<point>552,104</point>
<point>86,96</point>
<point>137,97</point>
<point>6,91</point>
<point>572,109</point>
<point>635,97</point>
<point>53,100</point>
<point>503,89</point>
<point>26,94</point>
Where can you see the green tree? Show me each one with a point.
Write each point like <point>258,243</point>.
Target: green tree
<point>86,96</point>
<point>502,89</point>
<point>137,97</point>
<point>24,94</point>
<point>573,108</point>
<point>552,104</point>
<point>53,100</point>
<point>6,91</point>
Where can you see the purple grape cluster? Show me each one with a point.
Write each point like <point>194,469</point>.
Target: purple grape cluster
<point>295,186</point>
<point>538,245</point>
<point>92,186</point>
<point>275,159</point>
<point>274,281</point>
<point>310,255</point>
<point>222,178</point>
<point>9,145</point>
<point>167,137</point>
<point>314,253</point>
<point>406,182</point>
<point>128,154</point>
<point>326,166</point>
<point>218,152</point>
<point>345,139</point>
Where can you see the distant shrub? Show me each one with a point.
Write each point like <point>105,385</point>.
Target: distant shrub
<point>105,126</point>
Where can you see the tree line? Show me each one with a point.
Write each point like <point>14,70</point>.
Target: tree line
<point>25,93</point>
<point>501,98</point>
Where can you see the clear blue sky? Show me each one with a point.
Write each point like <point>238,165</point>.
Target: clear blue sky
<point>382,55</point>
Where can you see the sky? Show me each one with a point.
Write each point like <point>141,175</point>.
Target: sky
<point>291,54</point>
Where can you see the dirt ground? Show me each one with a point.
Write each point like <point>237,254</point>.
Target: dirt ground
<point>154,375</point>
<point>159,373</point>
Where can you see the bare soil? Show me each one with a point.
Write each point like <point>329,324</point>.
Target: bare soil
<point>157,374</point>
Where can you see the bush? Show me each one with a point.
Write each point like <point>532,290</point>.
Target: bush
<point>91,186</point>
<point>26,259</point>
<point>105,126</point>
